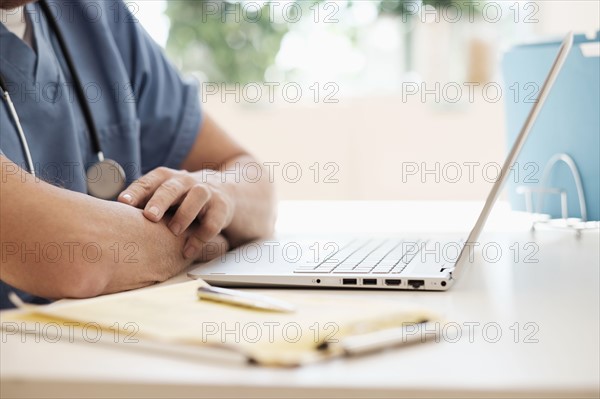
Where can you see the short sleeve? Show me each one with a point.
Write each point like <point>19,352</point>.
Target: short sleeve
<point>168,107</point>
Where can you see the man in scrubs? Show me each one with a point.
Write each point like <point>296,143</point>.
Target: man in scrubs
<point>185,198</point>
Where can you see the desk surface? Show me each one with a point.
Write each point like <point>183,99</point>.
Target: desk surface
<point>534,311</point>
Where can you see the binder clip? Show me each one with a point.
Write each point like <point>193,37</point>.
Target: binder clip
<point>542,190</point>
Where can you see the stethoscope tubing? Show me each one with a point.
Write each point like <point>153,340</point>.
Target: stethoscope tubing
<point>15,117</point>
<point>85,106</point>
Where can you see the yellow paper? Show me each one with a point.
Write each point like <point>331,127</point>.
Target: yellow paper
<point>173,314</point>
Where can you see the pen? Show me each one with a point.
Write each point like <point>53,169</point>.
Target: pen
<point>244,299</point>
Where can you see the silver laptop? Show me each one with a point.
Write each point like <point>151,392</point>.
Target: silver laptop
<point>397,263</point>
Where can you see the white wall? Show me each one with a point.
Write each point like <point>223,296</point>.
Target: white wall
<point>558,17</point>
<point>369,139</point>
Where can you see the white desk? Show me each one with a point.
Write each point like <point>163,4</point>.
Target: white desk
<point>558,296</point>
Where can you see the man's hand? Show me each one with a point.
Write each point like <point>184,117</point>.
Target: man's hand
<point>200,196</point>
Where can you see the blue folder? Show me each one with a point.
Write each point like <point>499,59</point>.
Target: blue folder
<point>569,122</point>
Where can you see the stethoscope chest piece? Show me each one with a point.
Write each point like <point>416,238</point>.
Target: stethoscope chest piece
<point>105,179</point>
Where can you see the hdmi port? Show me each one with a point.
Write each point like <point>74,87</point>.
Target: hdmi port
<point>390,281</point>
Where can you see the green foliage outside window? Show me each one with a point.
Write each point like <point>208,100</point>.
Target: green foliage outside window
<point>235,44</point>
<point>231,51</point>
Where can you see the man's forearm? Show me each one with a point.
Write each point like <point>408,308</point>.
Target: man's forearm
<point>57,243</point>
<point>139,252</point>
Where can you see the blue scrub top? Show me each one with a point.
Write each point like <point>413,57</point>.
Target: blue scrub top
<point>145,114</point>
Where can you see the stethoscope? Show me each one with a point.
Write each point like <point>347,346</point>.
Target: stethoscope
<point>106,178</point>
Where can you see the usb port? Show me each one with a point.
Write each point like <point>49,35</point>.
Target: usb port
<point>369,281</point>
<point>390,281</point>
<point>349,281</point>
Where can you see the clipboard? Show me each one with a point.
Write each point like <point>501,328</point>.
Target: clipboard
<point>567,125</point>
<point>323,327</point>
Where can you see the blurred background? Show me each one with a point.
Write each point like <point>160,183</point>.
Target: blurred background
<point>362,99</point>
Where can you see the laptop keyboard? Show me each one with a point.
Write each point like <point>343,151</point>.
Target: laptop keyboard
<point>367,257</point>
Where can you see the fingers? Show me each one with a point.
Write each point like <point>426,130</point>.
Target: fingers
<point>166,195</point>
<point>216,247</point>
<point>138,192</point>
<point>211,224</point>
<point>164,188</point>
<point>191,206</point>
